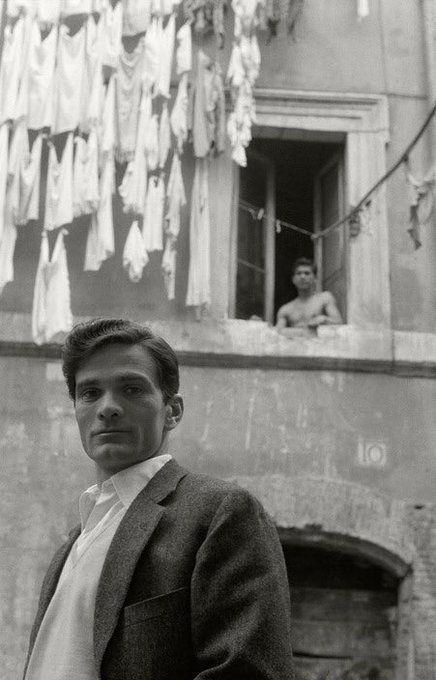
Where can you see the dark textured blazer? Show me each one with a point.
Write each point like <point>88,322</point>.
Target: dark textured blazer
<point>194,586</point>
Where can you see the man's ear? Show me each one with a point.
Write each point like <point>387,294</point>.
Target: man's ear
<point>174,412</point>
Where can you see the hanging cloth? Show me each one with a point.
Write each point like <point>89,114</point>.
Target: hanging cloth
<point>70,7</point>
<point>198,292</point>
<point>4,153</point>
<point>152,46</point>
<point>51,310</point>
<point>151,143</point>
<point>107,128</point>
<point>92,95</point>
<point>7,248</point>
<point>42,56</point>
<point>18,157</point>
<point>184,49</point>
<point>100,241</point>
<point>70,68</point>
<point>133,189</point>
<point>421,201</point>
<point>179,113</point>
<point>176,199</point>
<point>59,191</point>
<point>16,7</point>
<point>128,93</point>
<point>48,11</point>
<point>152,229</point>
<point>136,16</point>
<point>85,175</point>
<point>166,58</point>
<point>30,175</point>
<point>135,256</point>
<point>164,136</point>
<point>362,9</point>
<point>112,18</point>
<point>11,69</point>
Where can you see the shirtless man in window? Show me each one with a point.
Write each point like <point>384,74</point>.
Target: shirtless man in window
<point>310,309</point>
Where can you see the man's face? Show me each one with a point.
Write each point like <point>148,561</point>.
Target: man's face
<point>304,277</point>
<point>120,408</point>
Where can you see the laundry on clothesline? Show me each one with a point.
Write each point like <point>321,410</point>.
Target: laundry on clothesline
<point>135,256</point>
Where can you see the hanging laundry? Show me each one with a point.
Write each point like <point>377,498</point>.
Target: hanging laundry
<point>164,136</point>
<point>70,7</point>
<point>166,58</point>
<point>151,143</point>
<point>4,152</point>
<point>7,248</point>
<point>198,293</point>
<point>272,17</point>
<point>362,9</point>
<point>128,93</point>
<point>112,18</point>
<point>30,175</point>
<point>48,11</point>
<point>245,12</point>
<point>11,68</point>
<point>209,107</point>
<point>179,114</point>
<point>152,228</point>
<point>18,158</point>
<point>51,309</point>
<point>59,191</point>
<point>42,56</point>
<point>107,130</point>
<point>93,87</point>
<point>176,199</point>
<point>133,189</point>
<point>152,47</point>
<point>100,241</point>
<point>136,16</point>
<point>421,201</point>
<point>184,49</point>
<point>135,256</point>
<point>85,175</point>
<point>16,7</point>
<point>70,68</point>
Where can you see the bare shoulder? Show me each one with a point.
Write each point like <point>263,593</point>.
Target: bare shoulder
<point>327,297</point>
<point>286,309</point>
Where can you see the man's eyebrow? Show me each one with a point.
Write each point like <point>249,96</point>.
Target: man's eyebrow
<point>125,377</point>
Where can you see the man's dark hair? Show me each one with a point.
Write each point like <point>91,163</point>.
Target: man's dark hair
<point>87,338</point>
<point>304,262</point>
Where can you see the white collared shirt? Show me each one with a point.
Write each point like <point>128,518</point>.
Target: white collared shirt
<point>64,646</point>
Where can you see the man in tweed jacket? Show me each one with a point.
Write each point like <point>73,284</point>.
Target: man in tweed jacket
<point>171,575</point>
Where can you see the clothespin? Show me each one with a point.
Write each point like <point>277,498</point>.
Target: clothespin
<point>278,227</point>
<point>260,214</point>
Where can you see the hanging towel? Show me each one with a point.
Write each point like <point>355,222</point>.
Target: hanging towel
<point>59,191</point>
<point>135,256</point>
<point>51,311</point>
<point>198,293</point>
<point>152,229</point>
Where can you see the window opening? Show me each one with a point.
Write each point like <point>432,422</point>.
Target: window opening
<point>302,183</point>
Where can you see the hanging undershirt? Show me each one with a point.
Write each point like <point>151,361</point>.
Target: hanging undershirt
<point>51,310</point>
<point>92,97</point>
<point>166,58</point>
<point>184,49</point>
<point>176,199</point>
<point>100,241</point>
<point>135,256</point>
<point>136,16</point>
<point>133,189</point>
<point>4,152</point>
<point>42,57</point>
<point>30,174</point>
<point>152,229</point>
<point>59,192</point>
<point>70,68</point>
<point>198,292</point>
<point>179,114</point>
<point>85,175</point>
<point>128,93</point>
<point>112,27</point>
<point>10,68</point>
<point>164,136</point>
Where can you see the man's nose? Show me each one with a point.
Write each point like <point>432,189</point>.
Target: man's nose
<point>109,407</point>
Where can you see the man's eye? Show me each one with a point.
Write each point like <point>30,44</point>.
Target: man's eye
<point>133,390</point>
<point>88,395</point>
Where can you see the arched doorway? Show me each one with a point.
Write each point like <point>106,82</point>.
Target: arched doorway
<point>344,612</point>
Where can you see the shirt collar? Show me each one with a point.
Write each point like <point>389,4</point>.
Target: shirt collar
<point>126,484</point>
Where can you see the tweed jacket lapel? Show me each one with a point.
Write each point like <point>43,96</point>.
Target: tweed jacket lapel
<point>129,542</point>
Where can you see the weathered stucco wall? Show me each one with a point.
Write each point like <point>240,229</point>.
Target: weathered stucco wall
<point>239,423</point>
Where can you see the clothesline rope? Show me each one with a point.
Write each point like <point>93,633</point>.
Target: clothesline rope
<point>259,213</point>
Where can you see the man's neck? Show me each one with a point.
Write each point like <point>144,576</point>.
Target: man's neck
<point>305,295</point>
